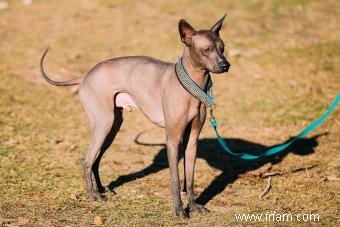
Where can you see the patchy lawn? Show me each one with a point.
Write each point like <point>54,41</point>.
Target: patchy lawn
<point>284,74</point>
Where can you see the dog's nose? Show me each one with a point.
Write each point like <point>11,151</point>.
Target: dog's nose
<point>225,66</point>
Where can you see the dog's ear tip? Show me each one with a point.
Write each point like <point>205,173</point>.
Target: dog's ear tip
<point>224,16</point>
<point>182,21</point>
<point>217,27</point>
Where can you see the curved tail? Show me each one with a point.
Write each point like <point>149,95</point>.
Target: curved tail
<point>56,83</point>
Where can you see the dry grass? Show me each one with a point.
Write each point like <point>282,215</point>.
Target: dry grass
<point>285,72</point>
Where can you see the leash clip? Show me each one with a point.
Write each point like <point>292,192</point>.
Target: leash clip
<point>211,109</point>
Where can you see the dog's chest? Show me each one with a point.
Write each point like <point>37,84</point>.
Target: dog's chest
<point>194,108</point>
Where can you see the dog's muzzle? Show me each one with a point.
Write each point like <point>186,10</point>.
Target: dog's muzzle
<point>225,65</point>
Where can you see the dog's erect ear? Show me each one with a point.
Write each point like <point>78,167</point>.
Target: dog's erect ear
<point>217,27</point>
<point>186,31</point>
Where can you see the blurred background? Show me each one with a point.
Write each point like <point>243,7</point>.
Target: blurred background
<point>284,73</point>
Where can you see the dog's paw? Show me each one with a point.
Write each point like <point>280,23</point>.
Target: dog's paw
<point>180,212</point>
<point>106,190</point>
<point>96,196</point>
<point>195,207</point>
<point>109,191</point>
<point>100,198</point>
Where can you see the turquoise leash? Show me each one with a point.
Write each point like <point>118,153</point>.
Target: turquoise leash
<point>208,100</point>
<point>279,148</point>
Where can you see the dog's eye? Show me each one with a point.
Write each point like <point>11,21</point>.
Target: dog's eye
<point>209,49</point>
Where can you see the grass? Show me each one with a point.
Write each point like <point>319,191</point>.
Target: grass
<point>284,75</point>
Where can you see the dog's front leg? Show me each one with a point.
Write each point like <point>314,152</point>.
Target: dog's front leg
<point>190,159</point>
<point>173,141</point>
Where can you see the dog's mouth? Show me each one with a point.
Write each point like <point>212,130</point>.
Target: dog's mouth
<point>219,70</point>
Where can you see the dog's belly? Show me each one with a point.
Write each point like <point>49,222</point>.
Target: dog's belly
<point>125,101</point>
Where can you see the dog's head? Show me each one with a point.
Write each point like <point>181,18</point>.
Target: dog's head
<point>206,47</point>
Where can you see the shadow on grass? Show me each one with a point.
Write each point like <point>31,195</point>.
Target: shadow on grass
<point>209,150</point>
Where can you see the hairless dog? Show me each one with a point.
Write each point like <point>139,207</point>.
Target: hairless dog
<point>150,85</point>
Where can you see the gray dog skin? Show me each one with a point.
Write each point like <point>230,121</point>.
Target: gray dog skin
<point>152,86</point>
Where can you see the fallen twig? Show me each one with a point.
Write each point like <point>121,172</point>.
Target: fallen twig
<point>329,178</point>
<point>266,190</point>
<point>265,169</point>
<point>297,169</point>
<point>322,180</point>
<point>270,174</point>
<point>308,173</point>
<point>294,170</point>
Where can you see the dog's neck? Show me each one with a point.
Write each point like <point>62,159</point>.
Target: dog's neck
<point>196,72</point>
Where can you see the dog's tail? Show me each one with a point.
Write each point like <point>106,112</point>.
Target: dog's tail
<point>57,83</point>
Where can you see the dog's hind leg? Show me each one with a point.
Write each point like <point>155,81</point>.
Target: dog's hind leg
<point>101,113</point>
<point>117,122</point>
